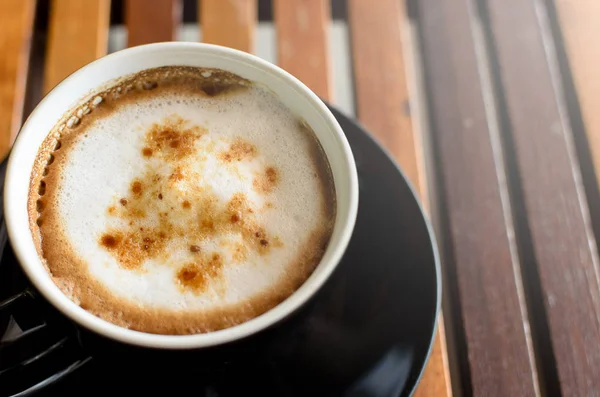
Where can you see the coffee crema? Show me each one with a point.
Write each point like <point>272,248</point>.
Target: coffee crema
<point>181,200</point>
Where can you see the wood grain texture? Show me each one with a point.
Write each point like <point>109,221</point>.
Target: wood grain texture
<point>16,29</point>
<point>499,358</point>
<point>303,42</point>
<point>230,23</point>
<point>380,78</point>
<point>78,34</point>
<point>383,107</point>
<point>557,212</point>
<point>152,21</point>
<point>580,27</point>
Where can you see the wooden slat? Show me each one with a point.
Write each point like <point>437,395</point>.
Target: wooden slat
<point>302,42</point>
<point>382,104</point>
<point>499,358</point>
<point>152,21</point>
<point>381,87</point>
<point>16,28</point>
<point>230,23</point>
<point>78,34</point>
<point>580,28</point>
<point>554,198</point>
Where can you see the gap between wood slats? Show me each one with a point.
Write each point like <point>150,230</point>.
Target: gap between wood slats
<point>420,113</point>
<point>436,379</point>
<point>555,221</point>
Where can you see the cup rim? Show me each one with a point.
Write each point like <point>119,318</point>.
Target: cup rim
<point>45,285</point>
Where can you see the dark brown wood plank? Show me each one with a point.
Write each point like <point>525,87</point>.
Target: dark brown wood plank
<point>16,29</point>
<point>230,23</point>
<point>485,268</point>
<point>302,42</point>
<point>554,198</point>
<point>78,34</point>
<point>382,99</point>
<point>152,21</point>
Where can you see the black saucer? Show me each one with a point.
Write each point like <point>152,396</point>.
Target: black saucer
<point>368,332</point>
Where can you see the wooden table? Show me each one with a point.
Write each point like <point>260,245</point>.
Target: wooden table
<point>489,106</point>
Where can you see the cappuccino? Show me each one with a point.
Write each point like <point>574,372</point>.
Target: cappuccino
<point>181,200</point>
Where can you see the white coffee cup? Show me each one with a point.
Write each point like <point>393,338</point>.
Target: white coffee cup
<point>295,95</point>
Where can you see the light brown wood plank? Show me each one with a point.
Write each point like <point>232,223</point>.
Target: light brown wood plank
<point>152,21</point>
<point>302,42</point>
<point>436,377</point>
<point>78,34</point>
<point>16,29</point>
<point>380,78</point>
<point>580,26</point>
<point>383,107</point>
<point>230,23</point>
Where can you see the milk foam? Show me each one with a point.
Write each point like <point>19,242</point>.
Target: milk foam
<point>106,157</point>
